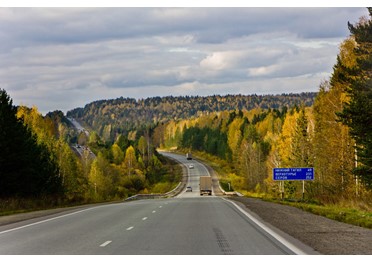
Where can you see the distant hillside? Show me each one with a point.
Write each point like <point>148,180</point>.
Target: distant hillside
<point>122,115</point>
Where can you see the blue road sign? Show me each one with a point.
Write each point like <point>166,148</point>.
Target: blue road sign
<point>297,173</point>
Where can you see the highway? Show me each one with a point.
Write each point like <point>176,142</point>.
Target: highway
<point>83,151</point>
<point>77,125</point>
<point>195,170</point>
<point>188,224</point>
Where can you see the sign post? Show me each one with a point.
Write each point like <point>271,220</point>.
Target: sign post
<point>293,174</point>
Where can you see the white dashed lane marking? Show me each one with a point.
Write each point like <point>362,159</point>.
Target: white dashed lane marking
<point>130,228</point>
<point>105,244</point>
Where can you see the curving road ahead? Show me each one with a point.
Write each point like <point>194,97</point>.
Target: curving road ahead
<point>189,224</point>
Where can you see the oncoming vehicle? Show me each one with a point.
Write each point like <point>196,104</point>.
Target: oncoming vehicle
<point>189,189</point>
<point>188,156</point>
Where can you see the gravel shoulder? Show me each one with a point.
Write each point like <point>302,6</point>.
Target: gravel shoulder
<point>324,235</point>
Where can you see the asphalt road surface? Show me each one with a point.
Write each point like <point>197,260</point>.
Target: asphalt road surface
<point>189,224</point>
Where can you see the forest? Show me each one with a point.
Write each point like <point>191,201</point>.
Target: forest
<point>111,118</point>
<point>247,136</point>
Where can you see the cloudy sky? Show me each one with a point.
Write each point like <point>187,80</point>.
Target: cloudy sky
<point>62,58</point>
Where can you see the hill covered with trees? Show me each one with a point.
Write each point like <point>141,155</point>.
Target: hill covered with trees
<point>109,118</point>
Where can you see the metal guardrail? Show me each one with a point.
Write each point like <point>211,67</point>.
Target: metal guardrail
<point>156,196</point>
<point>174,191</point>
<point>144,196</point>
<point>233,193</point>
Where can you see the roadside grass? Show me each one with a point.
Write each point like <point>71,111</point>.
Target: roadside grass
<point>346,211</point>
<point>226,185</point>
<point>347,215</point>
<point>11,206</point>
<point>162,187</point>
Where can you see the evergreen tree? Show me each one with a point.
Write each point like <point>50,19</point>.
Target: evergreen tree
<point>357,113</point>
<point>26,168</point>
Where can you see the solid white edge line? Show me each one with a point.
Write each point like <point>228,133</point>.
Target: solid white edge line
<point>106,243</point>
<point>282,240</point>
<point>47,220</point>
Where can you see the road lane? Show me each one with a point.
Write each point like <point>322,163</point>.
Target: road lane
<point>78,233</point>
<point>188,226</point>
<point>194,173</point>
<point>201,226</point>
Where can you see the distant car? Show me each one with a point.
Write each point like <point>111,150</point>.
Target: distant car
<point>189,189</point>
<point>191,166</point>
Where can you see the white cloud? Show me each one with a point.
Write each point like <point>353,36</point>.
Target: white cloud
<point>262,70</point>
<point>65,57</point>
<point>221,60</point>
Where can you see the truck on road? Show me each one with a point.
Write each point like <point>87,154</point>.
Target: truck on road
<point>205,185</point>
<point>188,156</point>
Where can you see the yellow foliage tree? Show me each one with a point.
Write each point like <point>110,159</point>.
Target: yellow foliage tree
<point>98,178</point>
<point>117,153</point>
<point>234,135</point>
<point>130,160</point>
<point>285,141</point>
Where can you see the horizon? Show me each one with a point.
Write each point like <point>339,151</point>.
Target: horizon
<point>184,96</point>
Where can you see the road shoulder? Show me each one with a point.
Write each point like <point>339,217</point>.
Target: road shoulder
<point>324,235</point>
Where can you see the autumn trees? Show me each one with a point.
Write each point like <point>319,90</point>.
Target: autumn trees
<point>125,168</point>
<point>37,160</point>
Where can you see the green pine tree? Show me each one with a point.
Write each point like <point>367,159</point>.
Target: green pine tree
<point>357,113</point>
<point>26,168</point>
